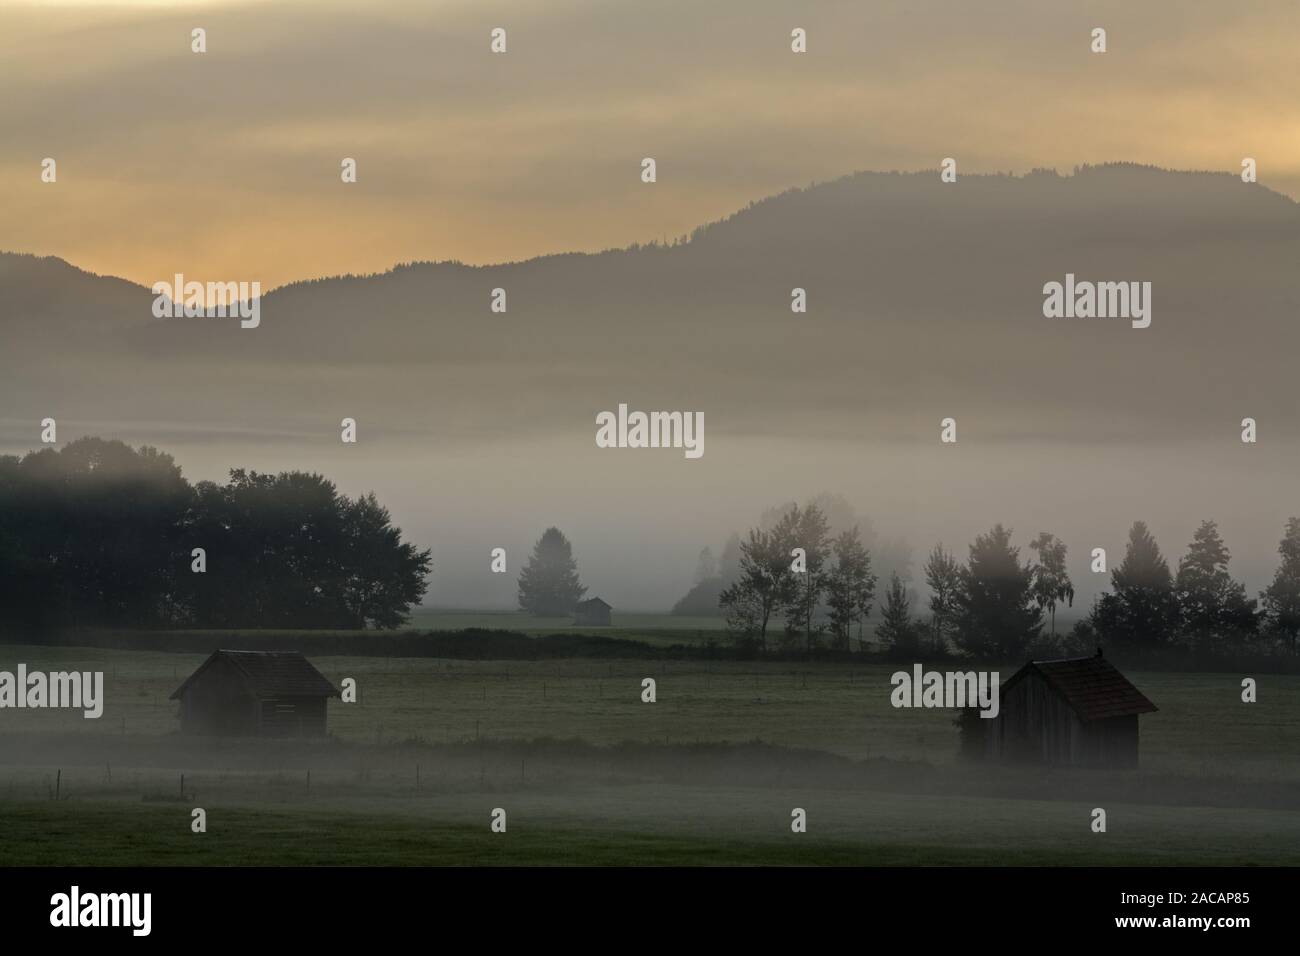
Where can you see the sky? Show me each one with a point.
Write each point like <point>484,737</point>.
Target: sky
<point>226,164</point>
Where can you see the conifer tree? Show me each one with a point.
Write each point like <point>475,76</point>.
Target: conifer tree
<point>549,585</point>
<point>1281,599</point>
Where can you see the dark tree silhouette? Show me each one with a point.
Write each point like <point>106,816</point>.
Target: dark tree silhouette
<point>100,534</point>
<point>997,616</point>
<point>1213,608</point>
<point>897,631</point>
<point>1281,599</point>
<point>1051,577</point>
<point>765,582</point>
<point>1141,610</point>
<point>943,577</point>
<point>850,586</point>
<point>811,532</point>
<point>289,551</point>
<point>90,534</point>
<point>549,585</point>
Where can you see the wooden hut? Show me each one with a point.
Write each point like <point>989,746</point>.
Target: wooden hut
<point>255,693</point>
<point>1079,711</point>
<point>592,613</point>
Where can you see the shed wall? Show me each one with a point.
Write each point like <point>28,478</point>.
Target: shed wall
<point>293,717</point>
<point>1035,724</point>
<point>217,703</point>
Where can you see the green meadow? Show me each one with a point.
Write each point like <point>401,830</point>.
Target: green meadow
<point>589,773</point>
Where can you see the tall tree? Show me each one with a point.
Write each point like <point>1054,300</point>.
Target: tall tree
<point>896,630</point>
<point>548,584</point>
<point>90,534</point>
<point>997,615</point>
<point>746,614</point>
<point>1141,610</point>
<point>765,582</point>
<point>943,577</point>
<point>383,576</point>
<point>1212,607</point>
<point>850,586</point>
<point>1281,599</point>
<point>1051,577</point>
<point>288,551</point>
<point>811,533</point>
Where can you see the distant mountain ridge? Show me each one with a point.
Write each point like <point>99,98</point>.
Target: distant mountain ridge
<point>923,298</point>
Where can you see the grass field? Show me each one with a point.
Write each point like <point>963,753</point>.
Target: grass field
<point>657,629</point>
<point>1202,726</point>
<point>589,773</point>
<point>701,826</point>
<point>629,622</point>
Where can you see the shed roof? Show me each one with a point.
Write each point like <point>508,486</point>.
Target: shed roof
<point>592,602</point>
<point>270,674</point>
<point>1092,686</point>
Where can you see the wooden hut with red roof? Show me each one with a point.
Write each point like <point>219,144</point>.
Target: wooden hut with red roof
<point>1080,711</point>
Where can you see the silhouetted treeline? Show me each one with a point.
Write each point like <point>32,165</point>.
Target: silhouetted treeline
<point>1199,606</point>
<point>713,575</point>
<point>796,572</point>
<point>997,607</point>
<point>100,534</point>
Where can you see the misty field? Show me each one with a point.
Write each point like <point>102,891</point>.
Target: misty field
<point>589,773</point>
<point>648,626</point>
<point>653,825</point>
<point>445,619</point>
<point>1202,727</point>
<point>652,628</point>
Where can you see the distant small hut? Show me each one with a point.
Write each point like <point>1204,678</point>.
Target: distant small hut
<point>592,613</point>
<point>1080,711</point>
<point>255,693</point>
